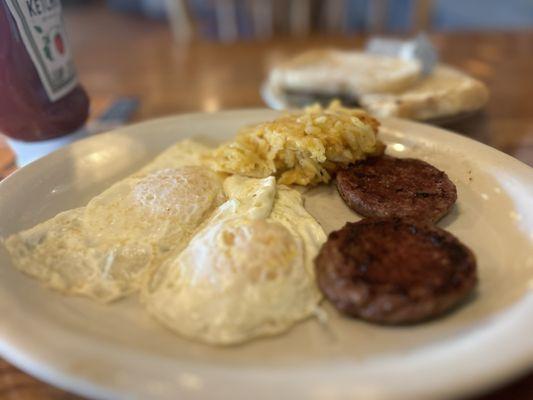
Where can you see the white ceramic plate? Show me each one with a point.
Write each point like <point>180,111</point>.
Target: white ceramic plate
<point>117,351</point>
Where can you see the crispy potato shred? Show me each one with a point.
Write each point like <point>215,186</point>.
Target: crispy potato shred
<point>304,148</point>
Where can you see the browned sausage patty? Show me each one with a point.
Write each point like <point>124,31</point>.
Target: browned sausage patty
<point>397,187</point>
<point>394,271</point>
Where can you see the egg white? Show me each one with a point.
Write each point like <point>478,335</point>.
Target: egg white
<point>104,250</point>
<point>248,272</point>
<point>183,153</point>
<point>219,260</point>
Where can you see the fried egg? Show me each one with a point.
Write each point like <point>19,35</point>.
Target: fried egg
<point>104,250</point>
<point>183,153</point>
<point>248,272</point>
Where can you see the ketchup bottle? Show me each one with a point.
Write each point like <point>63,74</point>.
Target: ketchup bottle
<point>40,97</point>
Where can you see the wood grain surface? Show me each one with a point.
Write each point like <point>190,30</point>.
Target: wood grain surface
<point>124,55</point>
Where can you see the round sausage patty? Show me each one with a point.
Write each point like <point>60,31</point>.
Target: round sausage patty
<point>397,187</point>
<point>394,271</point>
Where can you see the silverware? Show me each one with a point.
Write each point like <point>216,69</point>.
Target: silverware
<point>117,114</point>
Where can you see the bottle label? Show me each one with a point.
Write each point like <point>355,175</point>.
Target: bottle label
<point>40,24</point>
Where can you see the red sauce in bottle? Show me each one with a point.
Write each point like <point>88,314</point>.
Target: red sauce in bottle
<point>39,94</point>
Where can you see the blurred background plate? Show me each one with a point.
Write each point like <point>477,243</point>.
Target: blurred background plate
<point>280,102</point>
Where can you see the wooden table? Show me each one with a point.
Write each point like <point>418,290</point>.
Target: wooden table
<point>124,55</point>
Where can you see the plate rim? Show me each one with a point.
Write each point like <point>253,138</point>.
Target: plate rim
<point>69,382</point>
<point>228,112</point>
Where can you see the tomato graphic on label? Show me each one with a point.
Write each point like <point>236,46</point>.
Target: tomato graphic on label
<point>53,43</point>
<point>59,44</point>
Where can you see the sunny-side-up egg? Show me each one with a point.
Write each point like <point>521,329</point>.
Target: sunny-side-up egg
<point>104,250</point>
<point>248,272</point>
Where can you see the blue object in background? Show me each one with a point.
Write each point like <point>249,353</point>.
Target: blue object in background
<point>400,15</point>
<point>205,17</point>
<point>444,14</point>
<point>151,8</point>
<point>482,14</point>
<point>154,8</point>
<point>125,5</point>
<point>356,15</point>
<point>462,14</point>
